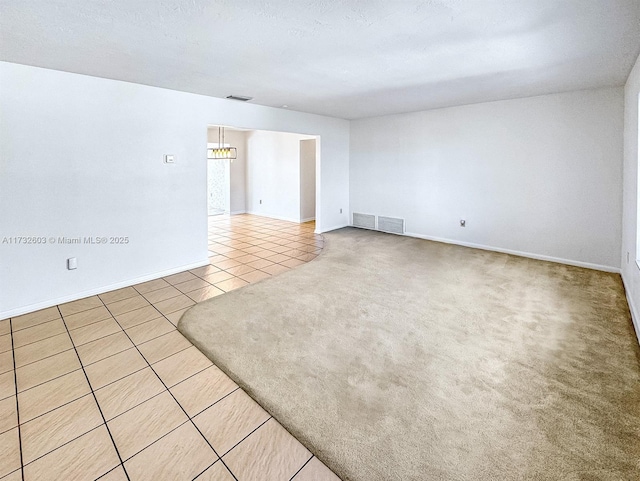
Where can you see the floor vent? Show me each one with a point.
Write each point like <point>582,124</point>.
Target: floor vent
<point>366,221</point>
<point>391,224</point>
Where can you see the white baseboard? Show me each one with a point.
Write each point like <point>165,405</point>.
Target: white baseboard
<point>308,219</point>
<point>237,212</point>
<point>328,229</point>
<point>530,255</point>
<point>270,216</point>
<point>98,290</point>
<point>632,310</point>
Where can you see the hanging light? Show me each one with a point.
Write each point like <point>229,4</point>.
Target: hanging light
<point>222,152</point>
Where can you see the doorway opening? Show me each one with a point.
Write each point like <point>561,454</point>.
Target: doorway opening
<point>274,174</point>
<point>218,184</point>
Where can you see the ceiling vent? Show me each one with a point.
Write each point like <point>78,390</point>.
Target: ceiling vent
<point>241,98</point>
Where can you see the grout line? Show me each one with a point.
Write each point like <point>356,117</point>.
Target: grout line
<point>117,300</point>
<point>15,388</point>
<point>9,429</point>
<point>61,333</point>
<point>205,470</point>
<point>152,305</point>
<point>89,323</point>
<point>106,357</point>
<point>162,300</point>
<point>157,440</point>
<point>152,338</point>
<point>81,310</point>
<point>63,444</point>
<point>257,427</point>
<point>101,337</point>
<point>134,325</point>
<point>166,357</point>
<point>180,405</point>
<point>214,403</point>
<point>47,357</point>
<point>48,380</point>
<point>95,398</point>
<point>120,379</point>
<point>301,468</point>
<point>53,409</point>
<point>110,471</point>
<point>36,325</point>
<point>133,407</point>
<point>96,339</point>
<point>7,397</point>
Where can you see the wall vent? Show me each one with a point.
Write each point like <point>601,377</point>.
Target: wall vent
<point>366,221</point>
<point>241,98</point>
<point>391,224</point>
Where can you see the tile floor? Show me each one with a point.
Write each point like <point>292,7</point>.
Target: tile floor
<point>107,388</point>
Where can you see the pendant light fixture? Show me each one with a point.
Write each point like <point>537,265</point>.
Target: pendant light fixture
<point>222,152</point>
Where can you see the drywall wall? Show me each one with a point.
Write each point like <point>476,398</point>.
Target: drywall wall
<point>307,179</point>
<point>273,174</point>
<point>82,156</point>
<point>630,253</point>
<point>540,176</point>
<point>238,173</point>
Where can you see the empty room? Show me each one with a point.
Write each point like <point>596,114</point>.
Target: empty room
<point>296,241</point>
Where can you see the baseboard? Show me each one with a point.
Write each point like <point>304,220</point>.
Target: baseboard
<point>328,229</point>
<point>530,255</point>
<point>308,219</point>
<point>632,310</point>
<point>98,290</point>
<point>270,216</point>
<point>237,212</point>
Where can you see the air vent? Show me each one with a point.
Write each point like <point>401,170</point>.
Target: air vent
<point>241,98</point>
<point>364,220</point>
<point>391,224</point>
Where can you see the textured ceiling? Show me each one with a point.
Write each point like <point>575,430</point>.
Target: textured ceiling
<point>350,59</point>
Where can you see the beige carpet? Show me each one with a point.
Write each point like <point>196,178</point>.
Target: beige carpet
<point>394,358</point>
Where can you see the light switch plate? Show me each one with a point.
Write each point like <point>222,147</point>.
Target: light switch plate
<point>72,263</point>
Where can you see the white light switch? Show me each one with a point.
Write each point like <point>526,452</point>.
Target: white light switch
<point>169,159</point>
<point>72,263</point>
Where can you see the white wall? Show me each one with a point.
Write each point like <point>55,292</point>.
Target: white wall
<point>273,174</point>
<point>82,156</point>
<point>238,173</point>
<point>307,179</point>
<point>630,269</point>
<point>237,168</point>
<point>540,176</point>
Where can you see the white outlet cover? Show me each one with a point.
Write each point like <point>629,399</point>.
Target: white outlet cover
<point>169,159</point>
<point>72,263</point>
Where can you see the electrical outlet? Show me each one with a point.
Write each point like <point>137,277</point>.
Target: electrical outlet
<point>261,201</point>
<point>341,211</point>
<point>169,159</point>
<point>72,263</point>
<point>463,223</point>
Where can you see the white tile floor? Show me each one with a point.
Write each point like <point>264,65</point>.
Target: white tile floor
<point>106,387</point>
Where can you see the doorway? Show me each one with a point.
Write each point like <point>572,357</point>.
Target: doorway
<point>218,184</point>
<point>273,174</point>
